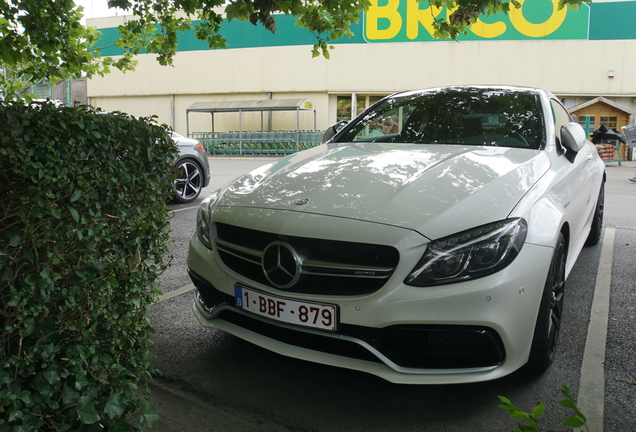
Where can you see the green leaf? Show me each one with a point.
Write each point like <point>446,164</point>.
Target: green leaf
<point>121,425</point>
<point>69,396</point>
<point>74,213</point>
<point>13,302</point>
<point>52,376</point>
<point>80,380</point>
<point>574,422</point>
<point>86,410</point>
<point>538,410</point>
<point>505,400</point>
<point>566,391</point>
<point>521,415</point>
<point>148,414</point>
<point>15,240</point>
<point>114,407</point>
<point>77,195</point>
<point>56,213</point>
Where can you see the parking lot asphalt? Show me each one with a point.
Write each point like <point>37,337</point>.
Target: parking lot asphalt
<point>180,410</point>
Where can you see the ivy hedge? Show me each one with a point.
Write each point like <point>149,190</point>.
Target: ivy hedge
<point>83,237</point>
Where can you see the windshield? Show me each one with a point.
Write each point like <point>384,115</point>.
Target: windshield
<point>471,116</point>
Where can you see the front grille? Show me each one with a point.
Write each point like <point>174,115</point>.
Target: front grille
<point>329,267</point>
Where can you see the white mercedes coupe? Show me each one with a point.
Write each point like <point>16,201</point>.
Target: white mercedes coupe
<point>427,241</point>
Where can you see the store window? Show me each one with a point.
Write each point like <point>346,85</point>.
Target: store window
<point>569,102</point>
<point>344,108</point>
<point>363,102</point>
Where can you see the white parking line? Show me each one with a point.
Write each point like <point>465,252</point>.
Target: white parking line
<point>184,208</point>
<point>175,293</point>
<point>591,399</point>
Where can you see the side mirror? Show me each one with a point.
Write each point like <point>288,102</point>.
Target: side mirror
<point>333,129</point>
<point>573,136</point>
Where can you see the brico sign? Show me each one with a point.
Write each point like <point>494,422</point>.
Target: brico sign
<point>412,20</point>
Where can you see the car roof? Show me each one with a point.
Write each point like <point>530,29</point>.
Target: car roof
<point>504,88</point>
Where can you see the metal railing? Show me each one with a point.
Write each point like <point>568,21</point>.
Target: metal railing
<point>258,143</point>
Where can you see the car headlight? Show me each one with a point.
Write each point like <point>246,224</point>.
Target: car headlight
<point>204,219</point>
<point>471,254</point>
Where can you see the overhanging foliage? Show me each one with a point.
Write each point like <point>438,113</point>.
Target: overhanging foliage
<point>45,40</point>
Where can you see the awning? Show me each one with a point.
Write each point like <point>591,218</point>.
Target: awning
<point>240,107</point>
<point>254,105</point>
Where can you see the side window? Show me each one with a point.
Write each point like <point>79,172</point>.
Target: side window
<point>386,123</point>
<point>560,116</point>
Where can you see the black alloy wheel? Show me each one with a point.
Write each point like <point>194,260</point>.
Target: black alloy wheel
<point>189,181</point>
<point>546,331</point>
<point>597,223</point>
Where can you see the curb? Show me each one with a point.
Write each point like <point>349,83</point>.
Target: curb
<point>180,411</point>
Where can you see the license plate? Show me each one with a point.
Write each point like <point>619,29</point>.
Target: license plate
<point>298,312</point>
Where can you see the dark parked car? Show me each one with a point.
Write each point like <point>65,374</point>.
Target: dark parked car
<point>193,170</point>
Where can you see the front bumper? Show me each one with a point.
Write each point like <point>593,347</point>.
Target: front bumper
<point>468,332</point>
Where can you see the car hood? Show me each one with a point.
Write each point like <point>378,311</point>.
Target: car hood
<point>434,189</point>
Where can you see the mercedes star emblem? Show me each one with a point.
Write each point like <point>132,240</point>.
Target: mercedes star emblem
<point>281,265</point>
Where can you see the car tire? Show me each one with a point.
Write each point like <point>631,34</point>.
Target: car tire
<point>189,181</point>
<point>546,331</point>
<point>597,223</point>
